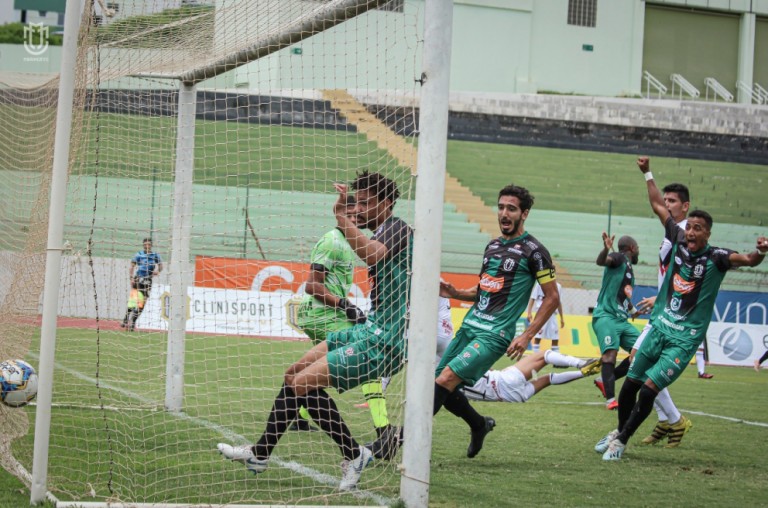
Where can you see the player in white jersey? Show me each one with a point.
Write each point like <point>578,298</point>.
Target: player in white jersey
<point>444,327</point>
<point>550,330</point>
<point>513,384</point>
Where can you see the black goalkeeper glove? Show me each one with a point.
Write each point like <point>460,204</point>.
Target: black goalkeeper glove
<point>354,314</point>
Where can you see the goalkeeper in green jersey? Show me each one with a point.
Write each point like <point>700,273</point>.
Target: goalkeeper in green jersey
<point>325,308</point>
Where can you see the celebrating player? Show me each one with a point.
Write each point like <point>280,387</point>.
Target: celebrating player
<point>511,265</point>
<point>614,307</point>
<point>680,316</point>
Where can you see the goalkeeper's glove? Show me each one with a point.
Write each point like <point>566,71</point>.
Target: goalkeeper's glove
<point>354,314</point>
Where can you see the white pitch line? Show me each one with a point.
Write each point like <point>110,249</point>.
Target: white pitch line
<point>688,411</point>
<point>228,434</point>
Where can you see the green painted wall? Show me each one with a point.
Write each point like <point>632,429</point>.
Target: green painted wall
<point>696,45</point>
<point>761,52</point>
<point>559,61</point>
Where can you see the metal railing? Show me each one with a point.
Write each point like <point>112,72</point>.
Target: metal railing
<point>753,94</point>
<point>683,85</point>
<point>718,90</point>
<point>651,81</point>
<point>762,92</point>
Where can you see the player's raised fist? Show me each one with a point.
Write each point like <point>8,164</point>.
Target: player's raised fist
<point>644,163</point>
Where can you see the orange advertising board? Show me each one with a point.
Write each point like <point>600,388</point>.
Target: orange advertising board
<point>268,276</point>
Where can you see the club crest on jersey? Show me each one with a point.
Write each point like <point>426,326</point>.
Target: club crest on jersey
<point>670,372</point>
<point>698,271</point>
<point>491,284</point>
<point>681,285</point>
<point>607,340</point>
<point>467,354</point>
<point>674,304</point>
<point>509,264</point>
<point>482,304</point>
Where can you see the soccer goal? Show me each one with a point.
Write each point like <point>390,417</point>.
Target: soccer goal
<point>191,180</point>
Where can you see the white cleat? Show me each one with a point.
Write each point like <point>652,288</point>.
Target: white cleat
<point>354,468</point>
<point>602,445</point>
<point>614,451</point>
<point>243,454</point>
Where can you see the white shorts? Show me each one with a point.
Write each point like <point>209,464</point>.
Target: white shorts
<point>508,385</point>
<point>444,329</point>
<point>641,338</point>
<point>550,330</point>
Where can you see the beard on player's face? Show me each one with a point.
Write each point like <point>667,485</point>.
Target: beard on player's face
<point>508,226</point>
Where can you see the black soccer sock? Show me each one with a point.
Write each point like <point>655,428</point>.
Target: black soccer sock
<point>627,400</point>
<point>763,358</point>
<point>639,413</point>
<point>284,411</point>
<point>440,395</point>
<point>621,369</point>
<point>608,373</point>
<point>458,404</point>
<point>326,414</point>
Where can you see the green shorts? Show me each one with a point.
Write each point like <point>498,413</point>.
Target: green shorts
<point>360,354</point>
<point>662,358</point>
<point>612,333</point>
<point>317,322</point>
<point>472,353</point>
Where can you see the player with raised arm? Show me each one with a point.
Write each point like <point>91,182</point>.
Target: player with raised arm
<point>672,424</point>
<point>511,265</point>
<point>680,317</point>
<point>325,308</point>
<point>353,356</point>
<point>614,307</point>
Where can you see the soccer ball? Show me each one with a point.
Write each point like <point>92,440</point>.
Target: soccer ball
<point>19,382</point>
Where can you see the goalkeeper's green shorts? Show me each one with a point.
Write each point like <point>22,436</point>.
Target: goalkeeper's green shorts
<point>317,323</point>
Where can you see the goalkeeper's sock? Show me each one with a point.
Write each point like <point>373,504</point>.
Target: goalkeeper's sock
<point>377,404</point>
<point>284,411</point>
<point>326,414</point>
<point>627,400</point>
<point>304,414</point>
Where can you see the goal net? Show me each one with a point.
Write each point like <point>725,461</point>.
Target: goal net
<point>215,129</point>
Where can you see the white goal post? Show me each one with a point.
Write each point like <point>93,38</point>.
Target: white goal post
<point>253,159</point>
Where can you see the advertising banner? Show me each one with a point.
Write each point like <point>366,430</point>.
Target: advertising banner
<point>736,344</point>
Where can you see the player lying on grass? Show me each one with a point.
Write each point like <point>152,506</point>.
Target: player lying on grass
<point>513,384</point>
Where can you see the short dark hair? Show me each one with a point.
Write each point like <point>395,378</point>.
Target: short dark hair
<point>701,214</point>
<point>380,185</point>
<point>146,240</point>
<point>626,243</point>
<point>679,189</point>
<point>521,193</point>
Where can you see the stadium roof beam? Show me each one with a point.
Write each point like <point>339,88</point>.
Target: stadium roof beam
<point>317,21</point>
